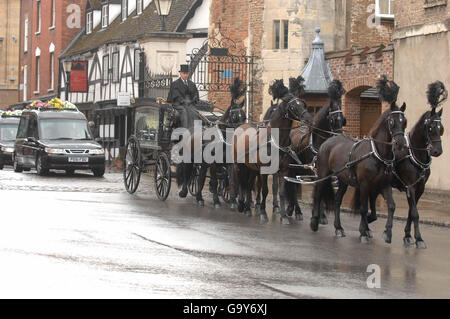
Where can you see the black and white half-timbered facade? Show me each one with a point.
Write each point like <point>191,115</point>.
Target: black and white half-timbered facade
<point>123,51</point>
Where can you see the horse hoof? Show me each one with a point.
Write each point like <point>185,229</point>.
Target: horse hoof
<point>285,221</point>
<point>387,238</point>
<point>421,245</point>
<point>314,224</point>
<point>340,233</point>
<point>323,220</point>
<point>217,206</point>
<point>371,218</point>
<point>263,218</point>
<point>201,203</point>
<point>299,217</point>
<point>248,213</point>
<point>369,234</point>
<point>233,206</point>
<point>183,194</point>
<point>257,207</point>
<point>408,241</point>
<point>365,240</point>
<point>241,207</point>
<point>276,210</point>
<point>252,205</point>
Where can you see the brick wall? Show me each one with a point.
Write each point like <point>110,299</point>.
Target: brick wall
<point>418,12</point>
<point>359,70</point>
<point>364,30</point>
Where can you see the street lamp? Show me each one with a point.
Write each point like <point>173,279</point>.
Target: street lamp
<point>67,68</point>
<point>163,7</point>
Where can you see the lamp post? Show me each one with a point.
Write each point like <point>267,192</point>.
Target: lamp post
<point>67,68</point>
<point>163,8</point>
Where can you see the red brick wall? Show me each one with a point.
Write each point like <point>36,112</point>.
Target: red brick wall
<point>26,12</point>
<point>418,12</point>
<point>359,73</point>
<point>60,36</point>
<point>362,33</point>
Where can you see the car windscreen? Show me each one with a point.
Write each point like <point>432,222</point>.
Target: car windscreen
<point>64,129</point>
<point>8,132</point>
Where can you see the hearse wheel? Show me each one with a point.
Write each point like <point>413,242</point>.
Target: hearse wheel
<point>99,172</point>
<point>40,170</point>
<point>163,176</point>
<point>132,165</point>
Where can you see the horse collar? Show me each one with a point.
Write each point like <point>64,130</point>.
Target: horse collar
<point>413,158</point>
<point>378,156</point>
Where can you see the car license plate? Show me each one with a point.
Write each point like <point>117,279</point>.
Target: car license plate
<point>78,159</point>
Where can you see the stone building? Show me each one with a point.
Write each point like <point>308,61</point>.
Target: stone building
<point>9,51</point>
<point>422,55</point>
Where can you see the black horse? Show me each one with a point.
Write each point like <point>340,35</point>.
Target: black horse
<point>290,109</point>
<point>412,167</point>
<point>328,122</point>
<point>366,164</point>
<point>233,117</point>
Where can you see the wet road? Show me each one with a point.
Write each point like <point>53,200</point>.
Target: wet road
<point>84,237</point>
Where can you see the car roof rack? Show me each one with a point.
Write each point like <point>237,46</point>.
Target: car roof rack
<point>48,109</point>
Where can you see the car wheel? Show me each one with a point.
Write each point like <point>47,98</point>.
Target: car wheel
<point>98,172</point>
<point>1,167</point>
<point>17,167</point>
<point>41,171</point>
<point>70,172</point>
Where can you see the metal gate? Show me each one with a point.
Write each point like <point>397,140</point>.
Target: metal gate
<point>215,65</point>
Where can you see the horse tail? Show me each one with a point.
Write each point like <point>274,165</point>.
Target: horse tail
<point>356,201</point>
<point>183,173</point>
<point>328,195</point>
<point>180,175</point>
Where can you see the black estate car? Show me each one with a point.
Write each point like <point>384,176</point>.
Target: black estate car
<point>56,139</point>
<point>8,132</point>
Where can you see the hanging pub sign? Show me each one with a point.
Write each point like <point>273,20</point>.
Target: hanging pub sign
<point>79,77</point>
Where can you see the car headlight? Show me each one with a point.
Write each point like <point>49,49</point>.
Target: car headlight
<point>100,151</point>
<point>54,150</point>
<point>7,149</point>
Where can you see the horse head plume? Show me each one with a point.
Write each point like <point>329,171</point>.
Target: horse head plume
<point>237,89</point>
<point>437,94</point>
<point>278,90</point>
<point>297,86</point>
<point>336,90</point>
<point>387,90</point>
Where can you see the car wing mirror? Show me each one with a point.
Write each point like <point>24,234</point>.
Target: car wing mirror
<point>32,139</point>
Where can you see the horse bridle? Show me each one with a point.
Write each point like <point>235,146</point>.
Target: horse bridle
<point>389,123</point>
<point>330,119</point>
<point>289,109</point>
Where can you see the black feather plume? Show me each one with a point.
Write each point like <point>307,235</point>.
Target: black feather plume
<point>278,90</point>
<point>387,90</point>
<point>296,86</point>
<point>336,90</point>
<point>237,89</point>
<point>436,94</point>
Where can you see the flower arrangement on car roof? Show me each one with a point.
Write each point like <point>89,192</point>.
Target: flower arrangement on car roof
<point>54,103</point>
<point>16,113</point>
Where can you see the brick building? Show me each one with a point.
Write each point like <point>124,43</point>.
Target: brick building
<point>46,28</point>
<point>422,45</point>
<point>9,51</point>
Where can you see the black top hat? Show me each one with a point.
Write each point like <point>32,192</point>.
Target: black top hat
<point>184,68</point>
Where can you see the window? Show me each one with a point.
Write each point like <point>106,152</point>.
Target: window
<point>124,10</point>
<point>115,67</point>
<point>53,13</point>
<point>281,34</point>
<point>38,74</point>
<point>137,64</point>
<point>139,7</point>
<point>38,17</point>
<point>23,127</point>
<point>385,8</point>
<point>52,71</point>
<point>25,37</point>
<point>105,76</point>
<point>105,16</point>
<point>89,23</point>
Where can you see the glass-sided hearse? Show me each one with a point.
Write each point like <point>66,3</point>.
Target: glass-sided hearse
<point>56,138</point>
<point>9,122</point>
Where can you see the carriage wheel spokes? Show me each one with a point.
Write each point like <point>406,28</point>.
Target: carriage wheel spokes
<point>163,176</point>
<point>132,165</point>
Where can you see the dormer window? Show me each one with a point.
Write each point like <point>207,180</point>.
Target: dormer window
<point>89,22</point>
<point>105,15</point>
<point>139,7</point>
<point>124,10</point>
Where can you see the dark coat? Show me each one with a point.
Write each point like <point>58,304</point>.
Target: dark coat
<point>178,92</point>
